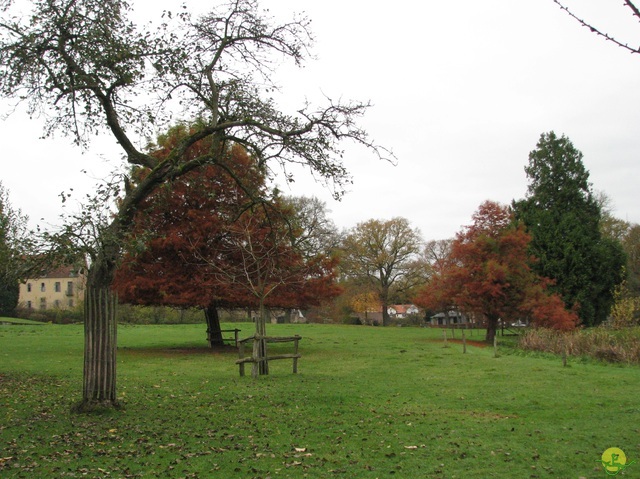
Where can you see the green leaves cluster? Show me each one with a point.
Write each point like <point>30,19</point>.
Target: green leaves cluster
<point>563,217</point>
<point>14,244</point>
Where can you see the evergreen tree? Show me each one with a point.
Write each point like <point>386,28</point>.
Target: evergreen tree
<point>12,227</point>
<point>563,216</point>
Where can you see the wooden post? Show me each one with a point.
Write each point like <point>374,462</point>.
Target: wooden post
<point>241,356</point>
<point>464,343</point>
<point>256,357</point>
<point>444,334</point>
<point>495,346</point>
<point>564,356</point>
<point>295,352</point>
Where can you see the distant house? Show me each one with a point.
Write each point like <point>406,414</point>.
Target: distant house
<point>451,317</point>
<point>372,316</point>
<point>400,311</point>
<point>61,288</point>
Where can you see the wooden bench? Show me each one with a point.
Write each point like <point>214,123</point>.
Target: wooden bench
<point>233,340</point>
<point>255,360</point>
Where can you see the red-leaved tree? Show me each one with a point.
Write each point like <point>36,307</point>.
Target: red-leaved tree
<point>489,275</point>
<point>192,244</point>
<point>175,226</point>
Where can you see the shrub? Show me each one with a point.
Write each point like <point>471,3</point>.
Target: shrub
<point>601,343</point>
<point>158,315</point>
<point>58,316</point>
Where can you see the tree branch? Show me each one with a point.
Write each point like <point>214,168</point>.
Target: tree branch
<point>600,33</point>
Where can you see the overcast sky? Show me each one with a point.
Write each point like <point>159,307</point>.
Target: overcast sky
<point>461,92</point>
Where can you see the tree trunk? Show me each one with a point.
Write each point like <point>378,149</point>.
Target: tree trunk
<point>492,327</point>
<point>214,335</point>
<point>100,326</point>
<point>385,316</point>
<point>261,330</point>
<point>100,344</point>
<point>384,299</point>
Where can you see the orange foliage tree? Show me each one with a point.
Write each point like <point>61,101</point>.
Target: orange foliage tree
<point>176,225</point>
<point>185,238</point>
<point>489,274</point>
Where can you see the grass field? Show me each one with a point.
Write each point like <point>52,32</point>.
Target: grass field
<point>367,403</point>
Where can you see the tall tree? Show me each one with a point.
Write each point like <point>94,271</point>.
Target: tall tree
<point>317,233</point>
<point>488,274</point>
<point>631,245</point>
<point>384,254</point>
<point>13,247</point>
<point>563,217</point>
<point>437,258</point>
<point>628,235</point>
<point>87,67</point>
<point>175,227</point>
<point>316,237</point>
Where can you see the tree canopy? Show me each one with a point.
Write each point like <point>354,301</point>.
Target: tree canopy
<point>384,254</point>
<point>563,217</point>
<point>488,274</point>
<point>192,243</point>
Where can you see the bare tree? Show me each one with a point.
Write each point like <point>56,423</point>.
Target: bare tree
<point>317,232</point>
<point>86,68</point>
<point>257,255</point>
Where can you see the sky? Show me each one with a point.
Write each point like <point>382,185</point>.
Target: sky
<point>460,91</point>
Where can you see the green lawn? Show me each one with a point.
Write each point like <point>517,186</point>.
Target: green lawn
<point>367,403</point>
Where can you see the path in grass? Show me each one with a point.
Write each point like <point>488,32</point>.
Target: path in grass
<point>368,402</point>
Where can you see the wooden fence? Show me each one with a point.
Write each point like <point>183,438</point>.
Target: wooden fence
<point>256,359</point>
<point>503,328</point>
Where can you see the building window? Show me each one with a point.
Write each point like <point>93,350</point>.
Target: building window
<point>42,288</point>
<point>28,287</point>
<point>71,303</point>
<point>57,287</point>
<point>70,288</point>
<point>29,306</point>
<point>56,304</point>
<point>43,303</point>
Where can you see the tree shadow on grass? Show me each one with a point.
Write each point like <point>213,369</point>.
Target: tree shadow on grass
<point>179,351</point>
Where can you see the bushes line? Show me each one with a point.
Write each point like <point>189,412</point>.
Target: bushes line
<point>129,314</point>
<point>616,346</point>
